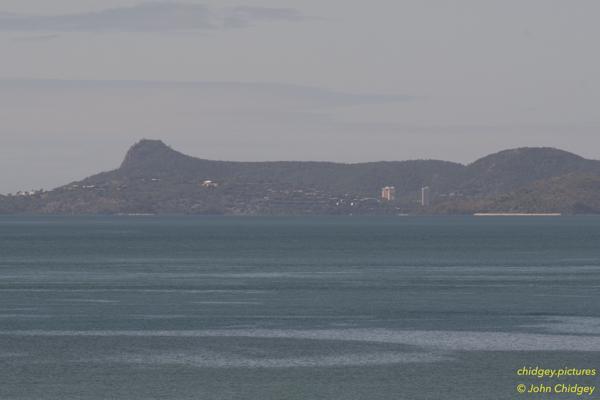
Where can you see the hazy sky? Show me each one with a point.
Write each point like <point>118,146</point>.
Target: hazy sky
<point>342,80</point>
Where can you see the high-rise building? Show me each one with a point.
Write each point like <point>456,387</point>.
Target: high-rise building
<point>388,193</point>
<point>425,196</point>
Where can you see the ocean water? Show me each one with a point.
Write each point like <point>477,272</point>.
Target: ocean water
<point>295,308</point>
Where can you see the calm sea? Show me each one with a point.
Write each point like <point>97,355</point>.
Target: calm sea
<point>295,308</point>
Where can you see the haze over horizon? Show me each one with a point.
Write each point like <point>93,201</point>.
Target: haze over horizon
<point>82,80</point>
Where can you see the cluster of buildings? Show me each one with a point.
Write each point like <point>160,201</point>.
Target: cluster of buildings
<point>388,193</point>
<point>209,184</point>
<point>23,193</point>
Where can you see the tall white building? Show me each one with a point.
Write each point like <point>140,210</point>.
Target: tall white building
<point>425,196</point>
<point>388,193</point>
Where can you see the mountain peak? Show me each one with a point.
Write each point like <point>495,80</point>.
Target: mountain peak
<point>508,169</point>
<point>531,152</point>
<point>147,153</point>
<point>149,144</point>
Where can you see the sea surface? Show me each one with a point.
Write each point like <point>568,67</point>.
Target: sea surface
<point>295,308</point>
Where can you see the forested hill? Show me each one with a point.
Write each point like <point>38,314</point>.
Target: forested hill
<point>156,179</point>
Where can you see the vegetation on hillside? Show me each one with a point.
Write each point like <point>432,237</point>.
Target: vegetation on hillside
<point>154,178</point>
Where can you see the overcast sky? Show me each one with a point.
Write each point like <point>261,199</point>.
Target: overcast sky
<point>341,80</point>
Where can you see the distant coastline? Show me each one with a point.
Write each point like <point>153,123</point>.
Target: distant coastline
<point>154,179</point>
<point>510,214</point>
